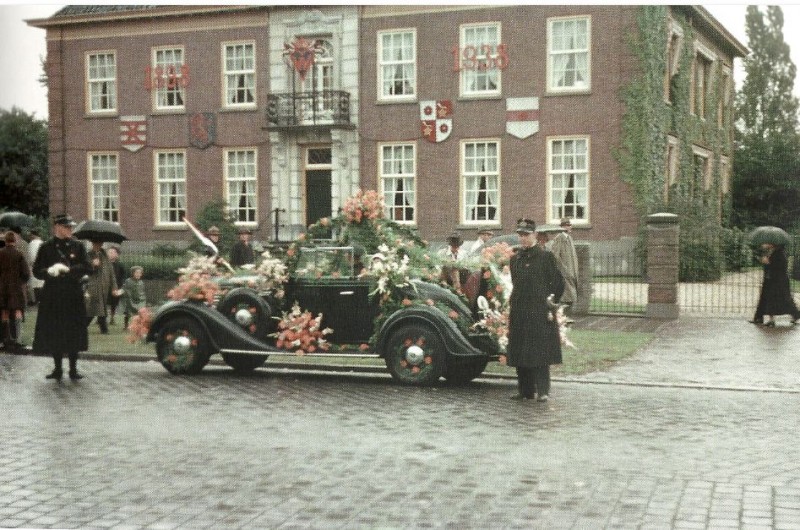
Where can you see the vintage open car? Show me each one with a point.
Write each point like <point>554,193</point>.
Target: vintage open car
<point>431,334</point>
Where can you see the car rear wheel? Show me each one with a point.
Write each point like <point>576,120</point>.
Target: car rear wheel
<point>243,363</point>
<point>182,346</point>
<point>461,372</point>
<point>415,355</point>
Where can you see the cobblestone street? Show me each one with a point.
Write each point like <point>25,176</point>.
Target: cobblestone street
<point>131,446</point>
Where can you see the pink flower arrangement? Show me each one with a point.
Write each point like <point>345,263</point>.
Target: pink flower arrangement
<point>301,332</point>
<point>194,286</point>
<point>363,205</point>
<point>499,253</point>
<point>139,326</point>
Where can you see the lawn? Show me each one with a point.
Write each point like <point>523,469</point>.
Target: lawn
<point>594,350</point>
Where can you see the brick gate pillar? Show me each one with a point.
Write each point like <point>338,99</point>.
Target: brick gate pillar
<point>662,265</point>
<point>581,306</point>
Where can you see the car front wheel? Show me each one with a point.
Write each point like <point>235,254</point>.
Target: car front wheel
<point>415,355</point>
<point>182,346</point>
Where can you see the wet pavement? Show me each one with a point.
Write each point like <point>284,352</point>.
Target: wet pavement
<point>698,430</point>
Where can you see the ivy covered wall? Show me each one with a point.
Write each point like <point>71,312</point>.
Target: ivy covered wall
<point>649,120</point>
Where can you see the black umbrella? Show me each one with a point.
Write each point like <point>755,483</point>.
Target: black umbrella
<point>15,220</point>
<point>768,234</point>
<point>96,230</point>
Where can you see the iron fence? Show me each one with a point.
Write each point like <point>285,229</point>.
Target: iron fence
<point>618,278</point>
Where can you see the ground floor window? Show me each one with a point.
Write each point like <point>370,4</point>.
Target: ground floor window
<point>397,180</point>
<point>170,173</point>
<point>104,186</point>
<point>568,169</point>
<point>241,185</point>
<point>480,177</point>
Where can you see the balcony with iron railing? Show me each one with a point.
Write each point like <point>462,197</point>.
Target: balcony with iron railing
<point>329,109</point>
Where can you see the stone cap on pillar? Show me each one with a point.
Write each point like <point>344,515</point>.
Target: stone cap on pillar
<point>662,219</point>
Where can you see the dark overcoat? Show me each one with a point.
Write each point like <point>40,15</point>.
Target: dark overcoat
<point>14,274</point>
<point>61,321</point>
<point>776,295</point>
<point>533,338</point>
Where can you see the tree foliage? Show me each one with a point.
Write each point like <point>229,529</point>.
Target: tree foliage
<point>23,162</point>
<point>766,186</point>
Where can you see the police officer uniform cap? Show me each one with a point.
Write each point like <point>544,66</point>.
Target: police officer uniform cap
<point>64,220</point>
<point>525,226</point>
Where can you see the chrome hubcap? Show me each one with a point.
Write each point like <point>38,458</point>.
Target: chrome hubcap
<point>415,355</point>
<point>182,345</point>
<point>244,317</point>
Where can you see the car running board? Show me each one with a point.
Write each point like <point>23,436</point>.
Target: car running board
<point>292,354</point>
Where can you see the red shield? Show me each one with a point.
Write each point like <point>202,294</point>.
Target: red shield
<point>133,132</point>
<point>202,129</point>
<point>302,54</point>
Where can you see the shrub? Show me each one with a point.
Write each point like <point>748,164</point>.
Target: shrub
<point>700,259</point>
<point>735,250</point>
<point>155,267</point>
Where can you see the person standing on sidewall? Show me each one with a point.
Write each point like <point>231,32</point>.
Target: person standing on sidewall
<point>61,322</point>
<point>533,339</point>
<point>776,294</point>
<point>563,248</point>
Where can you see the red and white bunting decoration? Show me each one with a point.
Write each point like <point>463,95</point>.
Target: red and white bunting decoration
<point>522,117</point>
<point>436,119</point>
<point>133,132</point>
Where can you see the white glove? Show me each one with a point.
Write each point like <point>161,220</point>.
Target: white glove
<point>57,269</point>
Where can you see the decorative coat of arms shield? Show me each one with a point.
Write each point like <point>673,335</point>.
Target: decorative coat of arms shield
<point>202,129</point>
<point>436,119</point>
<point>133,132</point>
<point>522,117</point>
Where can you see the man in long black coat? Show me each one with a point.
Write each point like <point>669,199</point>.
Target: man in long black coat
<point>61,322</point>
<point>533,339</point>
<point>776,294</point>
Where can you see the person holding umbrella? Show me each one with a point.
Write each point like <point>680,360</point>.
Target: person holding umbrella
<point>14,273</point>
<point>61,322</point>
<point>776,295</point>
<point>102,284</point>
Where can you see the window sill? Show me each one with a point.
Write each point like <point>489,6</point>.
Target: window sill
<point>478,97</point>
<point>249,108</point>
<point>95,115</point>
<point>168,112</point>
<point>408,101</point>
<point>558,93</point>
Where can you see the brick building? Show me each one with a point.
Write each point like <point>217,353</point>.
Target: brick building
<point>463,116</point>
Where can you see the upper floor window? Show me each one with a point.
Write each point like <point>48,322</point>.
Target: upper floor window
<point>104,186</point>
<point>239,74</point>
<point>569,57</point>
<point>701,169</point>
<point>397,68</point>
<point>726,86</point>
<point>170,171</point>
<point>674,46</point>
<point>480,177</point>
<point>101,82</point>
<point>397,180</point>
<point>479,59</point>
<point>701,80</point>
<point>241,178</point>
<point>671,170</point>
<point>568,167</point>
<point>170,92</point>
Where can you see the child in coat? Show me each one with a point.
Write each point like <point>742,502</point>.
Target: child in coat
<point>133,298</point>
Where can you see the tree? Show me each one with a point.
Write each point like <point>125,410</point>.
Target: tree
<point>766,186</point>
<point>23,162</point>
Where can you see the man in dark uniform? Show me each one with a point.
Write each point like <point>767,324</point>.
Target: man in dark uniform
<point>61,323</point>
<point>533,340</point>
<point>242,251</point>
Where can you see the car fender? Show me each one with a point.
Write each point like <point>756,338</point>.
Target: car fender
<point>453,339</point>
<point>221,332</point>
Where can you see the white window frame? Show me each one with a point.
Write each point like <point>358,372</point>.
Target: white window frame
<point>467,75</point>
<point>708,174</point>
<point>724,175</point>
<point>179,180</point>
<point>249,179</point>
<point>726,97</point>
<point>103,184</point>
<point>701,52</point>
<point>672,160</point>
<point>165,90</point>
<point>675,36</point>
<point>553,215</point>
<point>249,75</point>
<point>551,54</point>
<point>91,83</point>
<point>384,65</point>
<point>467,174</point>
<point>403,175</point>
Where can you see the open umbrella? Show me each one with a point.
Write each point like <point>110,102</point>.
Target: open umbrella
<point>16,220</point>
<point>768,234</point>
<point>97,230</point>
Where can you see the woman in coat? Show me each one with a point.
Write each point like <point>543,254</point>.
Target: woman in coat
<point>102,285</point>
<point>14,274</point>
<point>61,322</point>
<point>533,339</point>
<point>776,295</point>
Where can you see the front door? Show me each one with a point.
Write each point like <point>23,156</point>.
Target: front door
<point>318,183</point>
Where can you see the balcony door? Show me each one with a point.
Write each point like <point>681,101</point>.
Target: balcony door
<point>318,171</point>
<point>318,85</point>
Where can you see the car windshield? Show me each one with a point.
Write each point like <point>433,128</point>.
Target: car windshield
<point>328,262</point>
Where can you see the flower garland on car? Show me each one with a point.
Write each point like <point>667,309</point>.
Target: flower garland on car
<point>363,205</point>
<point>300,331</point>
<point>139,326</point>
<point>195,281</point>
<point>272,274</point>
<point>390,269</point>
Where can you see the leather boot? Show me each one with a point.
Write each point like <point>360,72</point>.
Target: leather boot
<point>73,367</point>
<point>58,372</point>
<point>101,321</point>
<point>5,336</point>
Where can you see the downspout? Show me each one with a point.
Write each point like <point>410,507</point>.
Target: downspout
<point>63,123</point>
